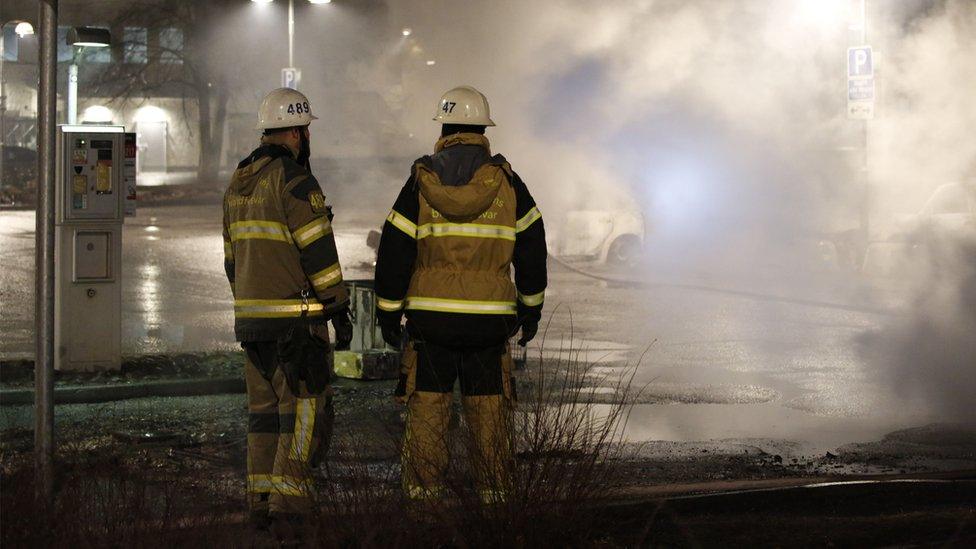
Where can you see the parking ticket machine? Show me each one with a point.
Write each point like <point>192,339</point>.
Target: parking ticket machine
<point>88,247</point>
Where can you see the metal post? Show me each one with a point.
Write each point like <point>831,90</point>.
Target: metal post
<point>866,206</point>
<point>73,93</point>
<point>291,33</point>
<point>3,98</point>
<point>44,281</point>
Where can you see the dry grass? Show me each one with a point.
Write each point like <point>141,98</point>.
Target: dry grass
<point>565,448</point>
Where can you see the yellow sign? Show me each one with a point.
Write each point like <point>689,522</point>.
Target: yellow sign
<point>103,178</point>
<point>79,184</point>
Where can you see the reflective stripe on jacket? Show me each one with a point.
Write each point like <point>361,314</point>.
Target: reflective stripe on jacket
<point>278,242</point>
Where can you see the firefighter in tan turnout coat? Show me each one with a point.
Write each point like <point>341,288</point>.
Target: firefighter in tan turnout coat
<point>461,224</point>
<point>281,260</point>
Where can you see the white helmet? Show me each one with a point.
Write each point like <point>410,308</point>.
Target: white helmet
<point>464,105</point>
<point>284,108</point>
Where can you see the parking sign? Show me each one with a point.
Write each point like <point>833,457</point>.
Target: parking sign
<point>291,78</point>
<point>860,83</point>
<point>859,62</point>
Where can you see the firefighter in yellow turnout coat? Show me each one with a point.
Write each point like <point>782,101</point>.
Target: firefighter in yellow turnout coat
<point>281,260</point>
<point>460,225</point>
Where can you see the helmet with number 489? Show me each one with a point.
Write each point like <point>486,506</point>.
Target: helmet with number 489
<point>284,108</point>
<point>464,105</point>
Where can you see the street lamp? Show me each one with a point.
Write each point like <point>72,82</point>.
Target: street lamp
<point>23,29</point>
<point>291,36</point>
<point>82,37</point>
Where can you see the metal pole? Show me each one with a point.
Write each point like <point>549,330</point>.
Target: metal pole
<point>44,281</point>
<point>73,93</point>
<point>291,33</point>
<point>3,99</point>
<point>866,207</point>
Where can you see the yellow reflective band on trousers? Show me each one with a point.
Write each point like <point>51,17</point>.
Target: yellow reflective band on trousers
<point>402,223</point>
<point>304,427</point>
<point>528,219</point>
<point>327,277</point>
<point>420,493</point>
<point>388,304</point>
<point>228,251</point>
<point>276,484</point>
<point>532,300</point>
<point>460,306</point>
<point>264,230</point>
<point>306,234</point>
<point>466,229</point>
<point>274,308</point>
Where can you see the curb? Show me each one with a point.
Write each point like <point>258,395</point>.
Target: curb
<point>107,393</point>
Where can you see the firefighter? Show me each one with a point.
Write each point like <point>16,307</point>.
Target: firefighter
<point>460,224</point>
<point>281,260</point>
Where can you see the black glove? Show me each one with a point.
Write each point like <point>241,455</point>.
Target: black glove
<point>392,333</point>
<point>529,329</point>
<point>343,330</point>
<point>302,357</point>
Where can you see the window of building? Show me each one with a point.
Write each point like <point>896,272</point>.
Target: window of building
<point>65,52</point>
<point>11,44</point>
<point>171,46</point>
<point>134,44</point>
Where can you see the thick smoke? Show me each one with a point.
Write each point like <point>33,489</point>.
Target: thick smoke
<point>725,124</point>
<point>924,142</point>
<point>930,354</point>
<point>705,117</point>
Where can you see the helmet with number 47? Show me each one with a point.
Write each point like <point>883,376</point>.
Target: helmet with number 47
<point>464,105</point>
<point>284,108</point>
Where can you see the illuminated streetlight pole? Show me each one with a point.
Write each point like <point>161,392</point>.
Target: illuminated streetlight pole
<point>291,33</point>
<point>81,37</point>
<point>291,29</point>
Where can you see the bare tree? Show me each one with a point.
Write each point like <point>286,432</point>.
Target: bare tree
<point>175,57</point>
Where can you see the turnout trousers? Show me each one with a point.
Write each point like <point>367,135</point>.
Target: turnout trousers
<point>487,390</point>
<point>287,434</point>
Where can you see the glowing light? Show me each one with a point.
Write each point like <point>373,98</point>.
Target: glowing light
<point>97,114</point>
<point>431,62</point>
<point>152,229</point>
<point>320,1</point>
<point>151,113</point>
<point>407,31</point>
<point>262,1</point>
<point>23,29</point>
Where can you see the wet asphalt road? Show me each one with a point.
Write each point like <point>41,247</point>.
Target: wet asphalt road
<point>763,359</point>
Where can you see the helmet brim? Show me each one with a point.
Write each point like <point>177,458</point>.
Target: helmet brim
<point>489,121</point>
<point>273,126</point>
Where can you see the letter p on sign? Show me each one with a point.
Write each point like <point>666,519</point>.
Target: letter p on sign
<point>859,62</point>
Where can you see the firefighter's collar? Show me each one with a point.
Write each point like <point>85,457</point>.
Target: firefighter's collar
<point>462,139</point>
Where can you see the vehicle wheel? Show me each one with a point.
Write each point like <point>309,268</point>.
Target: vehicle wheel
<point>625,250</point>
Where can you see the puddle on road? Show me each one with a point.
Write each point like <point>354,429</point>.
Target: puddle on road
<point>576,350</point>
<point>701,422</point>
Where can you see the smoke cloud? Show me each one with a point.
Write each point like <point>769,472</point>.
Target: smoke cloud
<point>724,124</point>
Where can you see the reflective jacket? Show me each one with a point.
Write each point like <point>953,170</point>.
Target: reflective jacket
<point>463,220</point>
<point>278,244</point>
